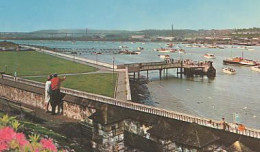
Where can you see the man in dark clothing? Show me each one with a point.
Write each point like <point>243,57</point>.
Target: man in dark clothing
<point>56,95</point>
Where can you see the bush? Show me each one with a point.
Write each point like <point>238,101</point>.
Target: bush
<point>11,140</point>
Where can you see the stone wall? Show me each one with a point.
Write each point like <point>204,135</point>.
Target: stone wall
<point>112,124</point>
<point>33,96</point>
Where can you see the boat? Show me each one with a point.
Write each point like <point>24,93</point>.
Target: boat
<point>163,50</point>
<point>235,60</point>
<point>256,68</point>
<point>181,51</point>
<point>209,56</point>
<point>247,62</point>
<point>140,48</point>
<point>229,70</point>
<point>170,45</point>
<point>123,46</point>
<point>164,56</point>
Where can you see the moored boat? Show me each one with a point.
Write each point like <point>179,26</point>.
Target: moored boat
<point>256,68</point>
<point>235,60</point>
<point>247,62</point>
<point>209,56</point>
<point>229,70</point>
<point>164,56</point>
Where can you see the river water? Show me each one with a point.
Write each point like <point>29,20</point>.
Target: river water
<point>213,99</point>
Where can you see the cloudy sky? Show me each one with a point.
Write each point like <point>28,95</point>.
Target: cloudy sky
<point>31,15</point>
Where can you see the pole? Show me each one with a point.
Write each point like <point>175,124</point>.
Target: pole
<point>6,69</point>
<point>113,69</point>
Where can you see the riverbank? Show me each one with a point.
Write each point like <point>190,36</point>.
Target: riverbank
<point>140,92</point>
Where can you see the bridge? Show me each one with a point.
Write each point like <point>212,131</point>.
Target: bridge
<point>123,113</point>
<point>139,107</point>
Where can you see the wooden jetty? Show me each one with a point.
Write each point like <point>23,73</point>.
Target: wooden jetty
<point>183,68</point>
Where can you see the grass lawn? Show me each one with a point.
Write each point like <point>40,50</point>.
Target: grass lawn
<point>35,63</point>
<point>100,83</point>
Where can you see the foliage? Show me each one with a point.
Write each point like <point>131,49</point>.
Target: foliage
<point>11,140</point>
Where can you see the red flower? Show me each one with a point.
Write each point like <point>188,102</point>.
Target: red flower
<point>7,134</point>
<point>21,139</point>
<point>3,146</point>
<point>48,144</point>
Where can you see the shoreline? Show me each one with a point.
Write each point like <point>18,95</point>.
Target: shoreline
<point>140,92</point>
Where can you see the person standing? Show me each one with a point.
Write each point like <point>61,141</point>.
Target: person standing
<point>47,92</point>
<point>56,96</point>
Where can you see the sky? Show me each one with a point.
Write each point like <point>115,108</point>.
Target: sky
<point>32,15</point>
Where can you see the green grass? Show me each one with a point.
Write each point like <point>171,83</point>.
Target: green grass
<point>35,63</point>
<point>100,83</point>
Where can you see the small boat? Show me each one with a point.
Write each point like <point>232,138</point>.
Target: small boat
<point>209,56</point>
<point>164,56</point>
<point>140,48</point>
<point>181,51</point>
<point>170,45</point>
<point>247,62</point>
<point>123,46</point>
<point>229,70</point>
<point>256,68</point>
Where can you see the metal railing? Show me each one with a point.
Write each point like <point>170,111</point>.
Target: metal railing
<point>143,108</point>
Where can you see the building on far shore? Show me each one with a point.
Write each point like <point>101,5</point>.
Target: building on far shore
<point>138,37</point>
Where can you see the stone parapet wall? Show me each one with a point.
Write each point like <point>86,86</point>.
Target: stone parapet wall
<point>34,96</point>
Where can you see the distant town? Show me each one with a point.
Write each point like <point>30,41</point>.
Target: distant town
<point>248,37</point>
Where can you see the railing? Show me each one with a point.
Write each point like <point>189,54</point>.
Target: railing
<point>75,58</point>
<point>158,65</point>
<point>128,90</point>
<point>143,108</point>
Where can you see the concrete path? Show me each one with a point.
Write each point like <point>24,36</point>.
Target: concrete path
<point>121,86</point>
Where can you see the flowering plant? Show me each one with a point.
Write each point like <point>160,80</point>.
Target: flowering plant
<point>11,140</point>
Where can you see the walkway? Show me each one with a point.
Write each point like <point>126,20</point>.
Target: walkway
<point>121,92</point>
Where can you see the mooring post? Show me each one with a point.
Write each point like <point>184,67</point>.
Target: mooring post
<point>138,75</point>
<point>134,76</point>
<point>177,72</point>
<point>181,67</point>
<point>147,75</point>
<point>166,73</point>
<point>160,73</point>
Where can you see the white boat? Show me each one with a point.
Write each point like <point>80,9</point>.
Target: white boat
<point>229,70</point>
<point>209,56</point>
<point>123,46</point>
<point>140,48</point>
<point>248,62</point>
<point>164,56</point>
<point>256,68</point>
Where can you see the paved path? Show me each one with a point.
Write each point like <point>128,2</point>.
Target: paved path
<point>121,86</point>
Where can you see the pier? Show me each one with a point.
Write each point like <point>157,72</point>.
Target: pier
<point>184,67</point>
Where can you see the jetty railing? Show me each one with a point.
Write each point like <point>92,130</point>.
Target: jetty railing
<point>255,133</point>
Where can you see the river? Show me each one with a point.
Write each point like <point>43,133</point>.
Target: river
<point>213,99</point>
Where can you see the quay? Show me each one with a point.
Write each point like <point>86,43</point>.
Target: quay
<point>185,67</point>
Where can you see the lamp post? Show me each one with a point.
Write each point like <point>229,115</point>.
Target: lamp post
<point>6,69</point>
<point>113,69</point>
